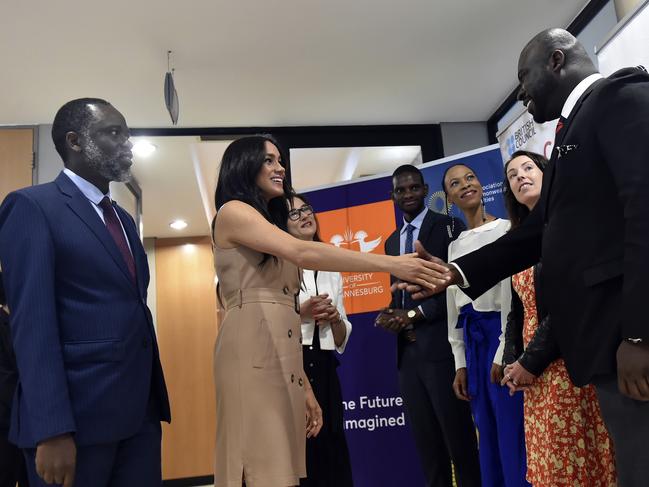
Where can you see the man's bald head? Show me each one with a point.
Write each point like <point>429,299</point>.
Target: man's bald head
<point>549,67</point>
<point>548,41</point>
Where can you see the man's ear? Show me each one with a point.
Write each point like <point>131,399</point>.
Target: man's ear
<point>557,60</point>
<point>425,190</point>
<point>72,141</point>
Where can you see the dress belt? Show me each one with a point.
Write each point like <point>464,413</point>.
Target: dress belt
<point>262,295</point>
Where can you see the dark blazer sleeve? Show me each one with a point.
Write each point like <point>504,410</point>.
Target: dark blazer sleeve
<point>623,137</point>
<point>27,254</point>
<point>513,252</point>
<point>434,307</point>
<point>542,349</point>
<point>514,331</point>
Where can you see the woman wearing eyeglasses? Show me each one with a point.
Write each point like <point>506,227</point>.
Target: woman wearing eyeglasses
<point>325,328</point>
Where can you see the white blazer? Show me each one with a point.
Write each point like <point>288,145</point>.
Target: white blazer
<point>330,283</point>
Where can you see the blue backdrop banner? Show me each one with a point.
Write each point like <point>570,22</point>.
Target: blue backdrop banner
<point>360,215</point>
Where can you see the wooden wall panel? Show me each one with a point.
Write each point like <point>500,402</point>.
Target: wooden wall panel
<point>187,326</point>
<point>16,159</point>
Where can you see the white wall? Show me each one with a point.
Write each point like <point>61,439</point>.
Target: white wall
<point>49,163</point>
<point>460,137</point>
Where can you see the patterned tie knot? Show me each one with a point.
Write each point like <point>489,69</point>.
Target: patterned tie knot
<point>105,203</point>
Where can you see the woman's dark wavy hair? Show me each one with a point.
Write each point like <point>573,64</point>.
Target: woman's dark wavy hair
<point>517,211</point>
<point>241,163</point>
<point>316,236</point>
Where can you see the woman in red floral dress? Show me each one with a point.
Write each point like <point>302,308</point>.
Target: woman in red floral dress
<point>566,439</point>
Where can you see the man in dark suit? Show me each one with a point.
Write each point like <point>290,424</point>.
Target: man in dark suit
<point>441,423</point>
<point>91,392</point>
<point>591,229</point>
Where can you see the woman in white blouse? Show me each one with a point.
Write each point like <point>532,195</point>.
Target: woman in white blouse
<point>476,333</point>
<point>325,328</point>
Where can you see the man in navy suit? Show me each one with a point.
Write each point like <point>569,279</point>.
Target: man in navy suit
<point>91,392</point>
<point>441,423</point>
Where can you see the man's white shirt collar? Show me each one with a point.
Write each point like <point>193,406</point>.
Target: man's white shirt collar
<point>576,93</point>
<point>416,221</point>
<point>88,189</point>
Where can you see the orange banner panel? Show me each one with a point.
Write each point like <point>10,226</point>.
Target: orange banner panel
<point>362,228</point>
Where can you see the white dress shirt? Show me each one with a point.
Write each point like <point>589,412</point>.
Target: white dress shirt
<point>576,93</point>
<point>94,196</point>
<point>498,298</point>
<point>416,222</point>
<point>330,283</point>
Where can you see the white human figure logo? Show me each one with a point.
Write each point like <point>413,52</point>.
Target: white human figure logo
<point>366,247</point>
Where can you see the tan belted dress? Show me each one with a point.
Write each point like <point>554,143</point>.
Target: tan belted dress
<point>258,373</point>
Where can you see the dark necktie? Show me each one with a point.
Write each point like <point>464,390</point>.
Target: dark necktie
<point>408,248</point>
<point>115,229</point>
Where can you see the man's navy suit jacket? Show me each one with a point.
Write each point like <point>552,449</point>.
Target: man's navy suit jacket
<point>85,345</point>
<point>435,234</point>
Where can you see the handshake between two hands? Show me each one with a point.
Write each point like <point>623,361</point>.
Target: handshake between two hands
<point>422,274</point>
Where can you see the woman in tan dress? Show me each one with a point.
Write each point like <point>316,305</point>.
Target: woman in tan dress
<point>261,390</point>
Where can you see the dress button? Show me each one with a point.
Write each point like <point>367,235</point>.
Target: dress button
<point>285,290</point>
<point>292,377</point>
<point>311,379</point>
<point>311,364</point>
<point>310,348</point>
<point>300,382</point>
<point>290,333</point>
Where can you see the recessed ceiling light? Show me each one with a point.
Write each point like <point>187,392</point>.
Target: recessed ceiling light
<point>143,148</point>
<point>178,224</point>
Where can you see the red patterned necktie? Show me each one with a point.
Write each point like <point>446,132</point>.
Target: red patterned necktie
<point>559,125</point>
<point>115,229</point>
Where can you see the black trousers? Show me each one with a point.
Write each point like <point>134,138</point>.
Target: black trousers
<point>627,421</point>
<point>441,424</point>
<point>12,464</point>
<point>327,456</point>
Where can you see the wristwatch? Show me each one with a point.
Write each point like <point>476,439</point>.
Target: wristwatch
<point>411,314</point>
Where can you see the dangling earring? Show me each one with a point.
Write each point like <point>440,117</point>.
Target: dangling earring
<point>448,213</point>
<point>484,213</point>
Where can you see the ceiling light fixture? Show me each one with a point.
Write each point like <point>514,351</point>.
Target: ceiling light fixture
<point>143,148</point>
<point>178,224</point>
<point>171,96</point>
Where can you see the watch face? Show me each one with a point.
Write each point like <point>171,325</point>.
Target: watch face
<point>412,313</point>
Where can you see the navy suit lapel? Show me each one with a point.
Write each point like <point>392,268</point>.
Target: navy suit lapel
<point>80,205</point>
<point>393,242</point>
<point>426,227</point>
